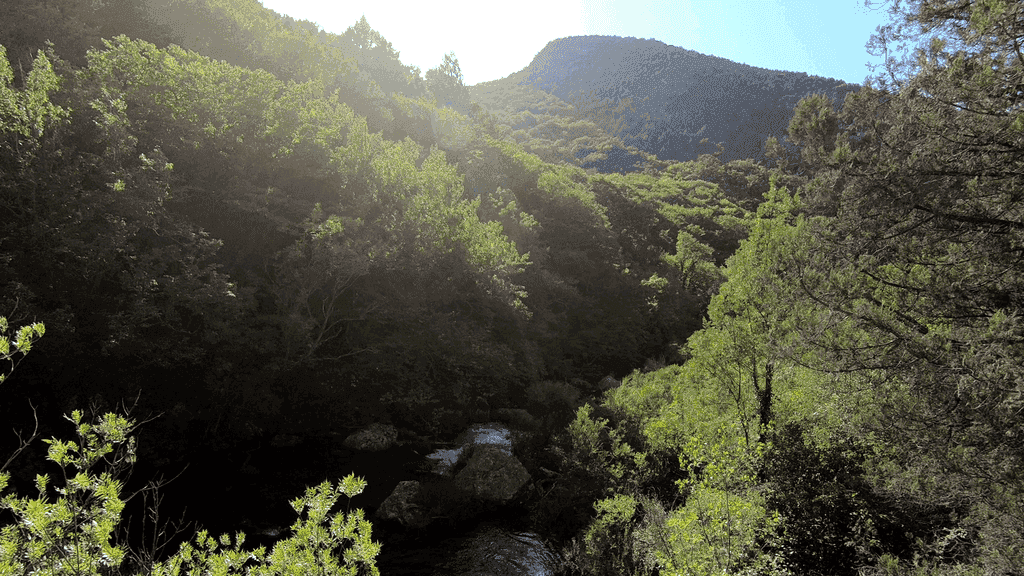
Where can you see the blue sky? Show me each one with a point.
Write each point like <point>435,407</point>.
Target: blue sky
<point>493,40</point>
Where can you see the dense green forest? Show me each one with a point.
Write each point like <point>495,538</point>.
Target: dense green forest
<point>236,226</point>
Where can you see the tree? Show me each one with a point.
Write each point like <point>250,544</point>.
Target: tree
<point>377,57</point>
<point>447,84</point>
<point>920,270</point>
<point>26,27</point>
<point>315,286</point>
<point>85,195</point>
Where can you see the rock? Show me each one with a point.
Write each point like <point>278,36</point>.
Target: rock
<point>373,438</point>
<point>492,474</point>
<point>480,411</point>
<point>518,418</point>
<point>608,383</point>
<point>400,506</point>
<point>285,441</point>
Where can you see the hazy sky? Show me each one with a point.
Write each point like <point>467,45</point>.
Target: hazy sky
<point>493,40</point>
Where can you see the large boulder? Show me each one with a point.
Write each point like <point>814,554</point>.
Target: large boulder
<point>401,506</point>
<point>373,438</point>
<point>517,418</point>
<point>492,474</point>
<point>608,383</point>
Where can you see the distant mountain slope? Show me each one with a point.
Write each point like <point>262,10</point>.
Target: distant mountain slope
<point>670,98</point>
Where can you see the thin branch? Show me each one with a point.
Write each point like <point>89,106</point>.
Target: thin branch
<point>22,442</point>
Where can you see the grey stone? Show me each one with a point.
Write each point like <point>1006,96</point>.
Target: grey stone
<point>480,411</point>
<point>492,475</point>
<point>608,383</point>
<point>285,441</point>
<point>400,506</point>
<point>373,438</point>
<point>518,418</point>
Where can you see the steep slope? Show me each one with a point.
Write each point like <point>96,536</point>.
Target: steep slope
<point>667,99</point>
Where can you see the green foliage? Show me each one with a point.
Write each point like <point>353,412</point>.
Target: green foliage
<point>321,543</point>
<point>30,26</point>
<point>315,284</point>
<point>447,85</point>
<point>70,528</point>
<point>554,402</point>
<point>72,531</point>
<point>543,124</point>
<point>646,405</point>
<point>735,367</point>
<point>721,525</point>
<point>910,275</point>
<point>674,226</point>
<point>29,112</point>
<point>106,225</point>
<point>719,409</point>
<point>850,390</point>
<point>832,518</point>
<point>596,463</point>
<point>165,141</point>
<point>22,342</point>
<point>607,541</point>
<point>714,532</point>
<point>597,449</point>
<point>376,57</point>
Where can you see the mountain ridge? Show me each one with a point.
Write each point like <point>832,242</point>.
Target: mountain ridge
<point>674,97</point>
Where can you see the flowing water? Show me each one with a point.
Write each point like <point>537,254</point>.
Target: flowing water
<point>493,433</point>
<point>499,543</point>
<point>492,548</point>
<point>496,546</point>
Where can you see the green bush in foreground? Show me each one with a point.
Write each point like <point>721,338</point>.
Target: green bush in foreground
<point>69,528</point>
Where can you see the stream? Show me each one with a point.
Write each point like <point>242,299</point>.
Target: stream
<point>499,543</point>
<point>492,547</point>
<point>496,545</point>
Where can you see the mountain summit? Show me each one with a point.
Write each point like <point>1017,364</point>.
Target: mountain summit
<point>674,97</point>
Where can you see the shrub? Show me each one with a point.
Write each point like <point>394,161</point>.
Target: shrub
<point>832,519</point>
<point>69,528</point>
<point>73,532</point>
<point>555,402</point>
<point>320,544</point>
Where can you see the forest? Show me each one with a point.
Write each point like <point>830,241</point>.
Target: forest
<point>744,322</point>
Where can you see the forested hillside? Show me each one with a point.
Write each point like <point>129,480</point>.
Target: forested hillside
<point>652,98</point>
<point>245,228</point>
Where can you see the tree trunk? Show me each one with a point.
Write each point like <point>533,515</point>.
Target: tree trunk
<point>764,398</point>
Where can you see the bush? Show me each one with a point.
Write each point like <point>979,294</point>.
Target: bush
<point>69,528</point>
<point>320,544</point>
<point>554,402</point>
<point>73,532</point>
<point>832,519</point>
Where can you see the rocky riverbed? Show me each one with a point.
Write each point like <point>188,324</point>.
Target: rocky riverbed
<point>457,508</point>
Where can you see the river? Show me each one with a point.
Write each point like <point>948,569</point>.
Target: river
<point>499,543</point>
